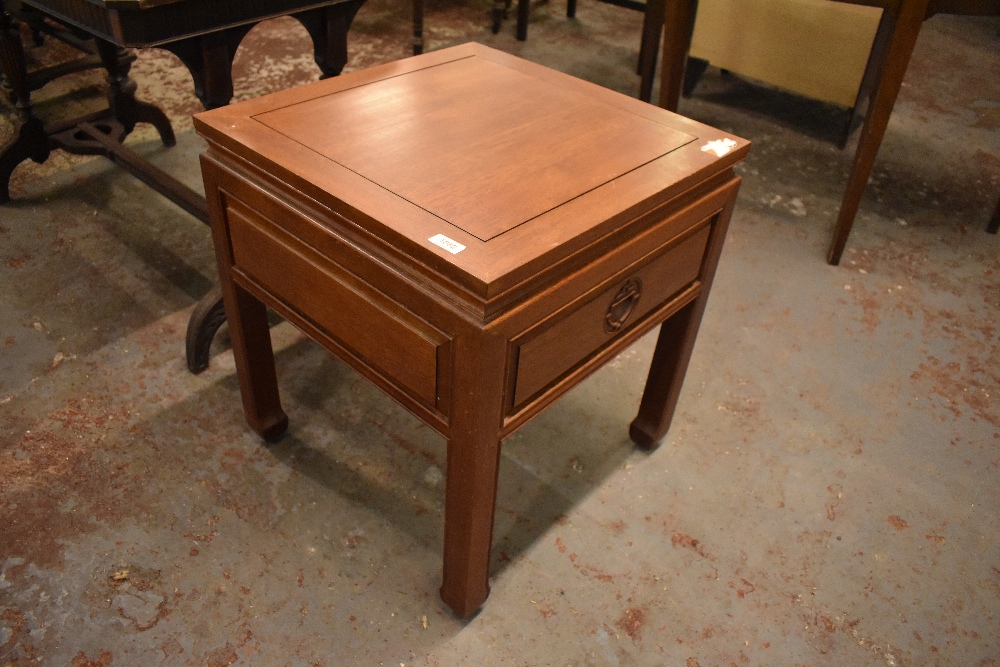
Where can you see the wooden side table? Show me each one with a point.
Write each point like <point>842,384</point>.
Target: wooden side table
<point>473,233</point>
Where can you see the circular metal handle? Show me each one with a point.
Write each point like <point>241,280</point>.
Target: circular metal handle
<point>622,305</point>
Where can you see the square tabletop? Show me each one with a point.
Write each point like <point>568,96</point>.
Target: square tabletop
<point>483,164</point>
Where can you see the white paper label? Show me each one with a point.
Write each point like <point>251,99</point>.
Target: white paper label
<point>451,245</point>
<point>719,147</point>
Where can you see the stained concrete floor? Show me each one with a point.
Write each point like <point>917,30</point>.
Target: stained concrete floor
<point>827,494</point>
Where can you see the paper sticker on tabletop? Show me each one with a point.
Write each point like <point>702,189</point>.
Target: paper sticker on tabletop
<point>719,147</point>
<point>451,245</point>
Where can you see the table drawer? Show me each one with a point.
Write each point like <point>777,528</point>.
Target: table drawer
<point>597,319</point>
<point>375,333</point>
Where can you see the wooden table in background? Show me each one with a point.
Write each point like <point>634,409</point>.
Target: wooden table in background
<point>204,34</point>
<point>897,35</point>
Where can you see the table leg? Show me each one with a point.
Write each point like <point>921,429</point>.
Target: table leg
<point>666,375</point>
<point>250,334</point>
<point>30,140</point>
<point>121,94</point>
<point>523,14</point>
<point>499,13</point>
<point>206,319</point>
<point>472,469</point>
<point>675,345</point>
<point>328,27</point>
<point>209,59</point>
<point>678,26</point>
<point>418,27</point>
<point>251,341</point>
<point>652,27</point>
<point>903,30</point>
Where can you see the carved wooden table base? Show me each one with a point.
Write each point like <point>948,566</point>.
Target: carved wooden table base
<point>207,55</point>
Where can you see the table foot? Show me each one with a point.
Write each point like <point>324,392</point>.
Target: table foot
<point>666,373</point>
<point>31,142</point>
<point>143,112</point>
<point>250,335</point>
<point>206,319</point>
<point>645,434</point>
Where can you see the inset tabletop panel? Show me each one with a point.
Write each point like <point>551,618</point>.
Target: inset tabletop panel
<point>480,145</point>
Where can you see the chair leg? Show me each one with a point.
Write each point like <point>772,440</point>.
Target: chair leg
<point>649,46</point>
<point>500,8</point>
<point>418,27</point>
<point>523,9</point>
<point>678,21</point>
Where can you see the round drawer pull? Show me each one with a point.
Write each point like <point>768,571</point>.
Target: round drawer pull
<point>622,305</point>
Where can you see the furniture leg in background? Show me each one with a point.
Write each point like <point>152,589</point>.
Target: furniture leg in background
<point>418,27</point>
<point>901,23</point>
<point>652,26</point>
<point>678,26</point>
<point>30,139</point>
<point>205,38</point>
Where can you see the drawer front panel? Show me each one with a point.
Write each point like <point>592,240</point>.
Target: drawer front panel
<point>377,332</point>
<point>597,320</point>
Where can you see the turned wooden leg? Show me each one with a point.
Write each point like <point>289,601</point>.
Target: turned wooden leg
<point>121,94</point>
<point>471,477</point>
<point>30,140</point>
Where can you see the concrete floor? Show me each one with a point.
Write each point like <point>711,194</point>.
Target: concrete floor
<point>827,494</point>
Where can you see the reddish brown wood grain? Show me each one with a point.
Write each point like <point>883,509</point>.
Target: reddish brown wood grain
<point>587,222</point>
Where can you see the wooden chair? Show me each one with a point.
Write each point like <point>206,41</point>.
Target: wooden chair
<point>897,35</point>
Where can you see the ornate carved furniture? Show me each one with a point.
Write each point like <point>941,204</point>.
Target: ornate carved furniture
<point>204,34</point>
